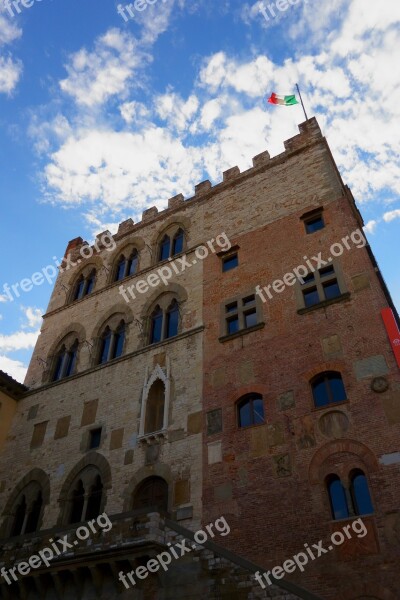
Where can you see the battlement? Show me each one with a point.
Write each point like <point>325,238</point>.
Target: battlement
<point>309,131</point>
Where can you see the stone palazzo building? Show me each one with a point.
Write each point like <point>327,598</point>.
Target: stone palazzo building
<point>188,369</point>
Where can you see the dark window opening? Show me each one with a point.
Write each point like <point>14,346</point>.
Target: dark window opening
<point>32,523</point>
<point>328,388</point>
<point>152,492</point>
<point>94,500</point>
<point>177,245</point>
<point>154,418</point>
<point>230,262</point>
<point>77,503</point>
<point>156,326</point>
<point>360,493</point>
<point>250,410</point>
<point>314,224</point>
<point>95,438</point>
<point>311,297</point>
<point>165,247</point>
<point>19,518</point>
<point>337,497</point>
<point>105,346</point>
<point>172,320</point>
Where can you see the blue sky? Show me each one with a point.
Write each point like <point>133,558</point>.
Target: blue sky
<point>102,117</point>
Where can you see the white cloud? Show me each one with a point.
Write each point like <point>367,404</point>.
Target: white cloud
<point>33,316</point>
<point>94,77</point>
<point>371,226</point>
<point>8,30</point>
<point>10,73</point>
<point>15,368</point>
<point>391,215</point>
<point>21,340</point>
<point>134,112</point>
<point>3,298</point>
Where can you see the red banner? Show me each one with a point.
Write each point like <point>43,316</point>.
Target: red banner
<point>392,331</point>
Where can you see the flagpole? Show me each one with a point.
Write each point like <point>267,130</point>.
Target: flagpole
<point>301,99</point>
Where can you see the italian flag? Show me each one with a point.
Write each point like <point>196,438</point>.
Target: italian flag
<point>282,100</point>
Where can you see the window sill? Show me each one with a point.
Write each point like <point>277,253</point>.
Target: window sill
<point>232,336</point>
<point>152,438</point>
<point>303,311</point>
<point>330,406</point>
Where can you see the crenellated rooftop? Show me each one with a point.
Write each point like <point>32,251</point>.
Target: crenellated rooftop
<point>309,131</point>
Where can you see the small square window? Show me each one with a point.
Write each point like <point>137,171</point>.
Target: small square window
<point>230,262</point>
<point>231,307</point>
<point>95,438</point>
<point>331,290</point>
<point>308,278</point>
<point>233,325</point>
<point>249,300</point>
<point>314,224</point>
<point>327,271</point>
<point>311,297</point>
<point>250,318</point>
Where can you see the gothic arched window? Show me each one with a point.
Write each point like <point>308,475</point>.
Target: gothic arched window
<point>86,496</point>
<point>127,266</point>
<point>165,248</point>
<point>250,410</point>
<point>84,285</point>
<point>360,493</point>
<point>337,497</point>
<point>112,343</point>
<point>154,417</point>
<point>177,244</point>
<point>28,510</point>
<point>65,362</point>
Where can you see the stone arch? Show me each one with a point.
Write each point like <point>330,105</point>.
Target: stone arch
<point>163,299</point>
<point>68,335</point>
<point>91,459</point>
<point>158,470</point>
<point>125,248</point>
<point>361,451</point>
<point>34,476</point>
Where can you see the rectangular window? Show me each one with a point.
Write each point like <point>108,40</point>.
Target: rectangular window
<point>320,286</point>
<point>314,224</point>
<point>95,438</point>
<point>241,314</point>
<point>230,262</point>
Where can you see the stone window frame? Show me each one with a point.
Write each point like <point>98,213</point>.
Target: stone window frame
<point>346,480</point>
<point>170,232</point>
<point>127,253</point>
<point>69,351</point>
<point>163,302</point>
<point>311,216</point>
<point>113,321</point>
<point>332,404</point>
<point>41,481</point>
<point>250,396</point>
<point>318,282</point>
<point>86,274</point>
<point>165,376</point>
<point>240,314</point>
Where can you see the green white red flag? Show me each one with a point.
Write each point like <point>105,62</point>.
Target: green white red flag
<point>283,100</point>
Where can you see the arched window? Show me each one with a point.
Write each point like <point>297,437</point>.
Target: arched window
<point>94,500</point>
<point>34,515</point>
<point>84,285</point>
<point>86,496</point>
<point>165,248</point>
<point>154,418</point>
<point>328,388</point>
<point>127,266</point>
<point>337,497</point>
<point>250,410</point>
<point>151,493</point>
<point>172,317</point>
<point>177,244</point>
<point>360,493</point>
<point>164,322</point>
<point>28,510</point>
<point>65,363</point>
<point>121,266</point>
<point>77,502</point>
<point>156,330</point>
<point>19,517</point>
<point>112,343</point>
